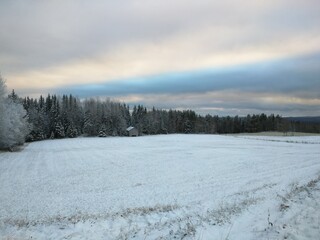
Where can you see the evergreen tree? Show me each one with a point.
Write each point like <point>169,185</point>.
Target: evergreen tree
<point>88,127</point>
<point>72,131</point>
<point>103,131</point>
<point>59,130</point>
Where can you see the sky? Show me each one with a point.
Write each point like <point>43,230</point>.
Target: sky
<point>218,57</point>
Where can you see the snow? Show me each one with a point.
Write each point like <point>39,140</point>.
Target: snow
<point>161,187</point>
<point>130,128</point>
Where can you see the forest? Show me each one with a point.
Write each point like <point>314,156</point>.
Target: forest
<point>66,116</point>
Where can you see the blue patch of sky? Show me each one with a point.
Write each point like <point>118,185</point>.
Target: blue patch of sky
<point>300,74</point>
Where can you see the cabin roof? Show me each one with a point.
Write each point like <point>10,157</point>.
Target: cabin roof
<point>130,128</point>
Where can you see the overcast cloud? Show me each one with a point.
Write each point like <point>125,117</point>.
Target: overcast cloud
<point>264,55</point>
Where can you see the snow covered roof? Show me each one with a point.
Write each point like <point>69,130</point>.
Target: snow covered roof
<point>130,128</point>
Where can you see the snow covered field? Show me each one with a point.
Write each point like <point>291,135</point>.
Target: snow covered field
<point>162,187</point>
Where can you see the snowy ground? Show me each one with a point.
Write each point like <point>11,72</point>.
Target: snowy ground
<point>162,187</point>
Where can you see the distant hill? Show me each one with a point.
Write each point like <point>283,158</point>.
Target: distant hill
<point>304,119</point>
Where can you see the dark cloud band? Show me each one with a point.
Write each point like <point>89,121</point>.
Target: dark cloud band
<point>299,75</point>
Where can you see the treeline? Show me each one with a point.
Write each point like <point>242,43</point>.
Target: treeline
<point>67,116</point>
<point>29,119</point>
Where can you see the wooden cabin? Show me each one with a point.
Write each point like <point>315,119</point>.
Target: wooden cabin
<point>132,131</point>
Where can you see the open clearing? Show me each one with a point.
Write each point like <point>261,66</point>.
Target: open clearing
<point>162,187</point>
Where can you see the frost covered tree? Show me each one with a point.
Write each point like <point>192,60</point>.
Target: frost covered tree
<point>72,132</point>
<point>14,126</point>
<point>59,130</point>
<point>102,131</point>
<point>89,127</point>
